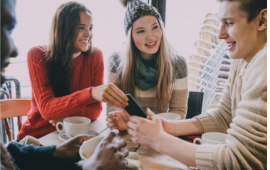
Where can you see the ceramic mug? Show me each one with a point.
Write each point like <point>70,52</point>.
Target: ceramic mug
<point>212,138</point>
<point>74,126</point>
<point>169,116</point>
<point>88,147</point>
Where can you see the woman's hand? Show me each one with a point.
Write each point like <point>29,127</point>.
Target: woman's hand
<point>146,132</point>
<point>107,156</point>
<point>110,94</point>
<point>118,120</point>
<point>55,121</point>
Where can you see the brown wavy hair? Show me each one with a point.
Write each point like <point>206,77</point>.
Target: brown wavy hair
<point>61,46</point>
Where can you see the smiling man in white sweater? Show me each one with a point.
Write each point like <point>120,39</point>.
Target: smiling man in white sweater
<point>242,112</point>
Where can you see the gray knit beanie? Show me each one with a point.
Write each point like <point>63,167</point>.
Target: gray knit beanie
<point>135,10</point>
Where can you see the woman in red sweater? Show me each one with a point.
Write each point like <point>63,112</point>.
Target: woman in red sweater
<point>67,75</point>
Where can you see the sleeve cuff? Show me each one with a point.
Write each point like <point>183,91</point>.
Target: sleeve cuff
<point>86,96</point>
<point>205,157</point>
<point>209,125</point>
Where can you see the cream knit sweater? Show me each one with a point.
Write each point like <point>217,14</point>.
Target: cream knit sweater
<point>242,114</point>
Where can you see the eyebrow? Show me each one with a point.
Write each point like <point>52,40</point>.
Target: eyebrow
<point>143,27</point>
<point>84,24</point>
<point>228,18</point>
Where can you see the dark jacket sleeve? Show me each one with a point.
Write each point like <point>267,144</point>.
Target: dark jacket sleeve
<point>30,157</point>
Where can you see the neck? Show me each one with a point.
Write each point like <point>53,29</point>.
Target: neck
<point>147,56</point>
<point>259,46</point>
<point>76,54</point>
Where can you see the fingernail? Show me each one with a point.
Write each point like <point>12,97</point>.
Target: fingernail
<point>115,131</point>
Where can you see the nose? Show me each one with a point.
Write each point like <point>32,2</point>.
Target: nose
<point>223,34</point>
<point>149,36</point>
<point>14,50</point>
<point>88,33</point>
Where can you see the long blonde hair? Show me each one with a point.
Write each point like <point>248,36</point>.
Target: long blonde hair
<point>129,65</point>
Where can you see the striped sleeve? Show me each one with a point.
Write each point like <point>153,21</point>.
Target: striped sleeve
<point>178,102</point>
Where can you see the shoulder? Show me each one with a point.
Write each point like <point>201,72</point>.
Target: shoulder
<point>180,67</point>
<point>96,53</point>
<point>256,71</point>
<point>114,62</point>
<point>37,53</point>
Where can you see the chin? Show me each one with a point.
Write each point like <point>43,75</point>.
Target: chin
<point>2,79</point>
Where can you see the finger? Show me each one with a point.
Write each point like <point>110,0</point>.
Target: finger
<point>131,125</point>
<point>111,114</point>
<point>131,132</point>
<point>109,138</point>
<point>112,120</point>
<point>117,97</point>
<point>125,153</point>
<point>111,125</point>
<point>150,114</point>
<point>111,98</point>
<point>136,119</point>
<point>81,138</point>
<point>125,161</point>
<point>119,92</point>
<point>121,144</point>
<point>111,103</point>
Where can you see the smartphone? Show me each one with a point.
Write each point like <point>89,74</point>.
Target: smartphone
<point>133,108</point>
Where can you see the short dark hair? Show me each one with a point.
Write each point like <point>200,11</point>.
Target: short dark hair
<point>252,7</point>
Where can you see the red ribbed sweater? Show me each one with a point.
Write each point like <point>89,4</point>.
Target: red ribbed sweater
<point>88,72</point>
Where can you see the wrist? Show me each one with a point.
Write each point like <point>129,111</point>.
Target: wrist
<point>159,141</point>
<point>91,93</point>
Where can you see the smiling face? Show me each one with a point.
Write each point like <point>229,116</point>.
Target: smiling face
<point>8,22</point>
<point>244,39</point>
<point>147,34</point>
<point>82,43</point>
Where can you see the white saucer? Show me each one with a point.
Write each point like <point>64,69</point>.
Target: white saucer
<point>63,136</point>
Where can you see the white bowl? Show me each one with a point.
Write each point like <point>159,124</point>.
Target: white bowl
<point>88,147</point>
<point>170,116</point>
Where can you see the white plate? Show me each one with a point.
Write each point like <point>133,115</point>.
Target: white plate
<point>64,137</point>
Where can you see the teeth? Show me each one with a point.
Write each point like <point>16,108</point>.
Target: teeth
<point>230,44</point>
<point>151,44</point>
<point>84,41</point>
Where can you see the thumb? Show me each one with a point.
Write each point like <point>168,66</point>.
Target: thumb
<point>150,114</point>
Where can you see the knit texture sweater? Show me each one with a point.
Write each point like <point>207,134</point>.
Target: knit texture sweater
<point>178,102</point>
<point>242,114</point>
<point>87,73</point>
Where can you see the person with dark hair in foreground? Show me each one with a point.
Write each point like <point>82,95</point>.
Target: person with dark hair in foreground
<point>64,156</point>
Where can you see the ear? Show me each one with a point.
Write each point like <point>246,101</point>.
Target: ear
<point>263,20</point>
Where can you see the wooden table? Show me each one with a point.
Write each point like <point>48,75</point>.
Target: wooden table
<point>150,159</point>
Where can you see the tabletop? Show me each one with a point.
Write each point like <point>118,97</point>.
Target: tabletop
<point>150,159</point>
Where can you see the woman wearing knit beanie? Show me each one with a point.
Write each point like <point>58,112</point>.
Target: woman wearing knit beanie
<point>149,68</point>
<point>67,75</point>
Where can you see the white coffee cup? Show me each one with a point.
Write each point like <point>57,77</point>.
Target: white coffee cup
<point>88,147</point>
<point>212,138</point>
<point>74,126</point>
<point>170,116</point>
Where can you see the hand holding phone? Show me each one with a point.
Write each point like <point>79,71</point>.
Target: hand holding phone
<point>133,108</point>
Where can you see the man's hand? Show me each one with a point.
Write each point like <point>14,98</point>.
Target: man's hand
<point>146,132</point>
<point>68,151</point>
<point>107,156</point>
